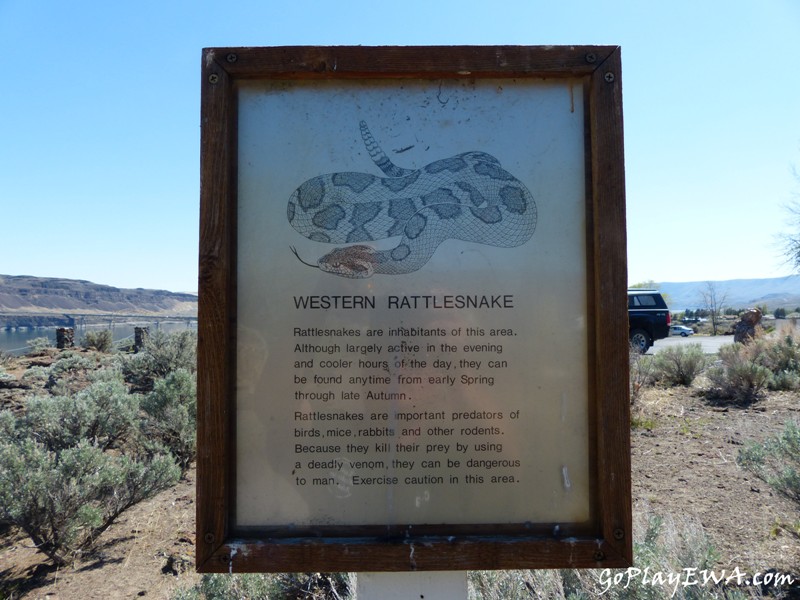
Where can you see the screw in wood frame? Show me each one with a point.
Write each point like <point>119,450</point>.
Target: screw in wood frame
<point>599,555</point>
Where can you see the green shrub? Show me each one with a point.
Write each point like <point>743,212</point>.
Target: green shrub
<point>69,360</point>
<point>126,345</point>
<point>106,372</point>
<point>171,410</point>
<point>782,357</point>
<point>641,373</point>
<point>38,346</point>
<point>58,483</point>
<point>740,376</point>
<point>102,341</point>
<point>781,354</point>
<point>249,586</point>
<point>785,381</point>
<point>776,461</point>
<point>36,373</point>
<point>8,424</point>
<point>115,413</point>
<point>746,370</point>
<point>67,365</point>
<point>162,354</point>
<point>99,414</point>
<point>679,365</point>
<point>64,500</point>
<point>72,361</point>
<point>6,358</point>
<point>661,544</point>
<point>315,586</point>
<point>280,586</point>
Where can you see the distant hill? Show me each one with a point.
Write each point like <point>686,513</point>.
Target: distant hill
<point>26,300</point>
<point>777,292</point>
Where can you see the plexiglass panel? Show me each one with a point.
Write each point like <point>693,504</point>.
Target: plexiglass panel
<point>412,329</point>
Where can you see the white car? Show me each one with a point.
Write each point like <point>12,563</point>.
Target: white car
<point>680,330</point>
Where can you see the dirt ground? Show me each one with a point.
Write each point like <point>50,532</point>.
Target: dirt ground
<point>684,465</point>
<point>147,553</point>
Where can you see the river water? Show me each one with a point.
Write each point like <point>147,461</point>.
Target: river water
<point>16,340</point>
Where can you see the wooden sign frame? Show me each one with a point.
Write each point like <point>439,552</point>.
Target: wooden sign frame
<point>606,540</point>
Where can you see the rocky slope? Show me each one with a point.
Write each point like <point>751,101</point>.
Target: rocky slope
<point>33,301</point>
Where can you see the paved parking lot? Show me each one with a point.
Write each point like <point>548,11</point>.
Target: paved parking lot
<point>710,344</point>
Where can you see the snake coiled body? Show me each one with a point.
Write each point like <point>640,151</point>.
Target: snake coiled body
<point>467,197</point>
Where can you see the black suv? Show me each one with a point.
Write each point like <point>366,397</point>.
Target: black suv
<point>648,318</point>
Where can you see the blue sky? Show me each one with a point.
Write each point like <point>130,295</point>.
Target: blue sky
<point>100,105</point>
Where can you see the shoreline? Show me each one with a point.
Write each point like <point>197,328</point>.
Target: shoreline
<point>28,322</point>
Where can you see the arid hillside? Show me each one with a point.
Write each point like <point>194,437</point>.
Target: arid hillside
<point>35,301</point>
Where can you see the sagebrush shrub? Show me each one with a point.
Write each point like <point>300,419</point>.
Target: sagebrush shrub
<point>69,362</point>
<point>744,371</point>
<point>740,376</point>
<point>641,373</point>
<point>102,341</point>
<point>782,357</point>
<point>106,372</point>
<point>36,373</point>
<point>215,586</point>
<point>116,412</point>
<point>8,424</point>
<point>103,413</point>
<point>171,410</point>
<point>162,354</point>
<point>279,586</point>
<point>782,354</point>
<point>315,586</point>
<point>68,365</point>
<point>6,358</point>
<point>64,499</point>
<point>661,544</point>
<point>58,481</point>
<point>39,345</point>
<point>776,461</point>
<point>785,381</point>
<point>679,365</point>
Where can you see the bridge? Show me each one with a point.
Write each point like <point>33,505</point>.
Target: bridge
<point>12,320</point>
<point>120,317</point>
<point>81,319</point>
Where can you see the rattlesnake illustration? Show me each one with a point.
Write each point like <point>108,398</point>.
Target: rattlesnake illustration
<point>467,197</point>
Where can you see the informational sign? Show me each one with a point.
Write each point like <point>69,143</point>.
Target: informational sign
<point>412,352</point>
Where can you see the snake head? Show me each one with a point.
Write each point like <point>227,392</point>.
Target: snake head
<point>355,262</point>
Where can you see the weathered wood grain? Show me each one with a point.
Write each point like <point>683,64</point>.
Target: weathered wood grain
<point>606,540</point>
